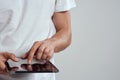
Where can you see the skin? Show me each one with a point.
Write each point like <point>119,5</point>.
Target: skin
<point>44,50</point>
<point>3,58</point>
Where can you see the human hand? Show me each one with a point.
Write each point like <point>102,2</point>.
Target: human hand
<point>42,50</point>
<point>3,58</point>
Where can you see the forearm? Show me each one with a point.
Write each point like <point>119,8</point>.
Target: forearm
<point>61,39</point>
<point>45,49</point>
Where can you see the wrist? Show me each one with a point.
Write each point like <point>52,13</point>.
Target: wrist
<point>53,43</point>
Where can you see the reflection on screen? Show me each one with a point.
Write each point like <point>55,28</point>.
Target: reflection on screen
<point>33,68</point>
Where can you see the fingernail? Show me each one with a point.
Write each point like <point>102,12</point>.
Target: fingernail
<point>29,62</point>
<point>17,59</point>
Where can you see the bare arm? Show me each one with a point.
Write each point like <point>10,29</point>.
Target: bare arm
<point>62,38</point>
<point>45,49</point>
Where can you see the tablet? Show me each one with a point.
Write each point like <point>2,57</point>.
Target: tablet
<point>36,67</point>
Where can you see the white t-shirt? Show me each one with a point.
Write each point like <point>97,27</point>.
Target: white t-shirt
<point>22,22</point>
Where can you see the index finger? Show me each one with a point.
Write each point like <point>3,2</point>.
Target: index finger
<point>32,51</point>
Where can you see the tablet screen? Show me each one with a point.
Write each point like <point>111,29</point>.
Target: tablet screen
<point>35,67</point>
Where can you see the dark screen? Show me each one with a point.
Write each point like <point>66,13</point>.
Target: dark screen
<point>46,67</point>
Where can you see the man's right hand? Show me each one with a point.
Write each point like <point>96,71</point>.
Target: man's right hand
<point>3,58</point>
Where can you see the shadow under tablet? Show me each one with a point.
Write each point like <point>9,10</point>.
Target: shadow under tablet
<point>36,67</point>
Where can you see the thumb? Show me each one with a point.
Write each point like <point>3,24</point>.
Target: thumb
<point>2,66</point>
<point>11,56</point>
<point>25,56</point>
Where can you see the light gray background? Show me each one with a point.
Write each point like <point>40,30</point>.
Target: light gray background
<point>95,50</point>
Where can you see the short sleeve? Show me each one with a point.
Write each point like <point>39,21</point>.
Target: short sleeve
<point>64,5</point>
